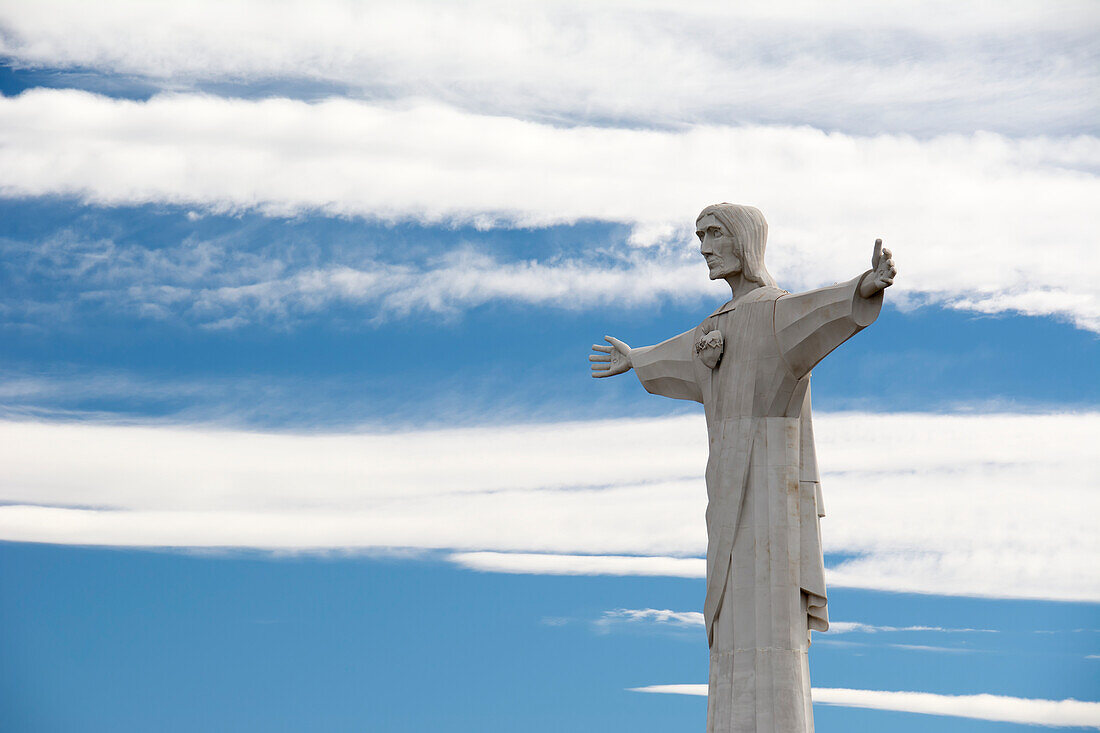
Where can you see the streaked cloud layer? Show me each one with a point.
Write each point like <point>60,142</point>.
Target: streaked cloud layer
<point>965,213</point>
<point>1052,713</point>
<point>984,505</point>
<point>694,618</point>
<point>923,67</point>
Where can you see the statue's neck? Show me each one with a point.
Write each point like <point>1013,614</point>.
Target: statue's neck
<point>740,285</point>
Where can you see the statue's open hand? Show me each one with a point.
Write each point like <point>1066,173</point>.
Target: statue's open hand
<point>610,360</point>
<point>882,274</point>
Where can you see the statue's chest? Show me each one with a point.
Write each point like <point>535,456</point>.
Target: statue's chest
<point>746,335</point>
<point>747,363</point>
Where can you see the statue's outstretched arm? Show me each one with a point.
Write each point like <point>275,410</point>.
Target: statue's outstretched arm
<point>808,326</point>
<point>665,369</point>
<point>668,368</point>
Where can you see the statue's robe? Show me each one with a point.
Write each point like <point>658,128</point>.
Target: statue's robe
<point>765,570</point>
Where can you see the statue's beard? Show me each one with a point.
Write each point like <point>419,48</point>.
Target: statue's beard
<point>725,268</point>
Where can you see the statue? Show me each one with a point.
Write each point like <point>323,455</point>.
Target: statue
<point>749,364</point>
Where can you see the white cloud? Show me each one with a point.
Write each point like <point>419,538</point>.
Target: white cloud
<point>666,617</point>
<point>965,215</point>
<point>836,643</point>
<point>533,563</point>
<point>223,283</point>
<point>914,67</point>
<point>681,689</point>
<point>988,505</point>
<point>457,282</point>
<point>848,627</point>
<point>694,618</point>
<point>654,615</point>
<point>1022,710</point>
<point>937,649</point>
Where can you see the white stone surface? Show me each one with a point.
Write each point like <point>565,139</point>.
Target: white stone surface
<point>749,364</point>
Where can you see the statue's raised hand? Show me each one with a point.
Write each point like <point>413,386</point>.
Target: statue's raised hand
<point>610,360</point>
<point>882,273</point>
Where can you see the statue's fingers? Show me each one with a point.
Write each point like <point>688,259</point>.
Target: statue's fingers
<point>602,347</point>
<point>878,253</point>
<point>617,344</point>
<point>600,357</point>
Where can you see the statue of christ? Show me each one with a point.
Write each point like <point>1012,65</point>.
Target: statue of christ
<point>749,364</point>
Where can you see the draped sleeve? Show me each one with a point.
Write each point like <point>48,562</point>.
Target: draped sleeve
<point>808,326</point>
<point>667,369</point>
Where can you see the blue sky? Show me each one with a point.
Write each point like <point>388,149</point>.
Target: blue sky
<point>296,431</point>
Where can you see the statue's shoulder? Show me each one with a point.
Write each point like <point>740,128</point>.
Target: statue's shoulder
<point>767,294</point>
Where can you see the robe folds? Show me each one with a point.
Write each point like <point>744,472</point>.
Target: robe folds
<point>765,569</point>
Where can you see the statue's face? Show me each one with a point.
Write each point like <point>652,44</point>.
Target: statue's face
<point>718,247</point>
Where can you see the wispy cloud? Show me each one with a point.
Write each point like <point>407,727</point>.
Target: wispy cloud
<point>852,67</point>
<point>931,648</point>
<point>693,618</point>
<point>522,563</point>
<point>1021,710</point>
<point>652,615</point>
<point>216,285</point>
<point>890,645</point>
<point>943,204</point>
<point>849,627</point>
<point>986,505</point>
<point>668,619</point>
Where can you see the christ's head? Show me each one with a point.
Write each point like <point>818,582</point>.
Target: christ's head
<point>732,239</point>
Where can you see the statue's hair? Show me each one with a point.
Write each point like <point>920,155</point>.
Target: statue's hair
<point>749,229</point>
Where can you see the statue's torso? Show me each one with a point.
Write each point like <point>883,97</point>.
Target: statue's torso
<point>751,379</point>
